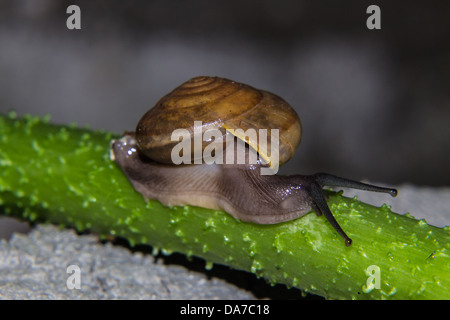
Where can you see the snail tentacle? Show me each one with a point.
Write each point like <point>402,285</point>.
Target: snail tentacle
<point>320,204</point>
<point>319,180</point>
<point>326,179</point>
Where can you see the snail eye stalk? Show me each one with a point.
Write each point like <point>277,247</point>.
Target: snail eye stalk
<point>320,205</point>
<point>325,179</point>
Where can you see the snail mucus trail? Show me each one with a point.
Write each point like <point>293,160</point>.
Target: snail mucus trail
<point>239,189</point>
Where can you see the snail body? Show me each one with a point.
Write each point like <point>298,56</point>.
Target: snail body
<point>239,188</point>
<point>235,189</point>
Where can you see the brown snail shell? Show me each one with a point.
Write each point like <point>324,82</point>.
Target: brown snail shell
<point>219,104</point>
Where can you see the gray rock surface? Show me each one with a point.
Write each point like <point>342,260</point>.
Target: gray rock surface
<point>34,266</point>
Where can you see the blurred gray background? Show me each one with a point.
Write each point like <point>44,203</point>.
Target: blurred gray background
<point>375,104</point>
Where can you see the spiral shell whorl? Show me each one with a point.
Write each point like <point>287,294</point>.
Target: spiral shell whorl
<point>220,104</point>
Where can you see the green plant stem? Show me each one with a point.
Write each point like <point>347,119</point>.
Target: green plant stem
<point>63,175</point>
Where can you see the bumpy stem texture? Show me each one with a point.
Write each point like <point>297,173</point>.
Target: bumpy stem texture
<point>63,175</point>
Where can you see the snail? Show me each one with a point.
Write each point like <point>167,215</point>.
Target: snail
<point>237,187</point>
